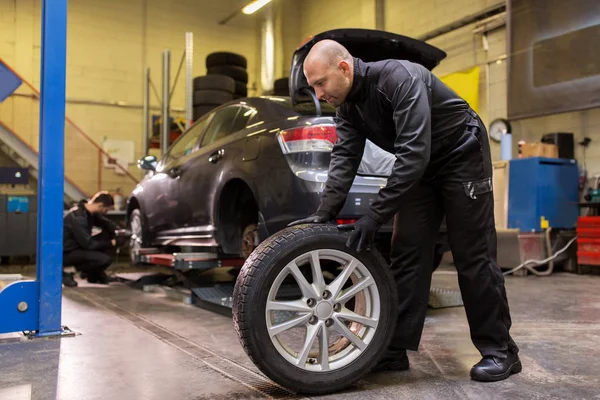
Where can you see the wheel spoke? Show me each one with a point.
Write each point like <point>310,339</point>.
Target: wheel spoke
<point>348,315</point>
<point>353,290</point>
<point>336,286</point>
<point>324,348</point>
<point>307,290</point>
<point>311,334</point>
<point>277,329</point>
<point>343,329</point>
<point>293,306</point>
<point>317,274</point>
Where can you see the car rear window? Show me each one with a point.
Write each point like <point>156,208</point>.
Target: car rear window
<point>307,108</point>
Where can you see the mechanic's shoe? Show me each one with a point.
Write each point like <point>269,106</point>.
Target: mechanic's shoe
<point>393,361</point>
<point>492,369</point>
<point>102,279</point>
<point>68,280</point>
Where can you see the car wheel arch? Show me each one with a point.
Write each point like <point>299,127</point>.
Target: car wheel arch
<point>235,207</point>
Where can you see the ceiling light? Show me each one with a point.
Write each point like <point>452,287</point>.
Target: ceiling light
<point>254,6</point>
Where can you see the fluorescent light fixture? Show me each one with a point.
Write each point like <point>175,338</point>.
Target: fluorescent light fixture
<point>255,6</point>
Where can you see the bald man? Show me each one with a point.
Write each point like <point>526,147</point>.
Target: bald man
<point>442,167</point>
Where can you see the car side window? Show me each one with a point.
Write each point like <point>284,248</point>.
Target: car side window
<point>242,119</point>
<point>221,125</point>
<point>186,143</point>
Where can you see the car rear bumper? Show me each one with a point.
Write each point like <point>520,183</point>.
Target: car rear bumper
<point>307,198</point>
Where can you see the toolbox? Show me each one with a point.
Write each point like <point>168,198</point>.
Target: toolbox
<point>588,241</point>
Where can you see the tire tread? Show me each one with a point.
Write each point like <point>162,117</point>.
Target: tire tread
<point>250,272</point>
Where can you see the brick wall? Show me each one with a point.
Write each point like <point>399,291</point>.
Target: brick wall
<point>109,44</point>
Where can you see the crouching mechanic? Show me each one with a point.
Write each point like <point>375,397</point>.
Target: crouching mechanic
<point>442,167</point>
<point>89,254</point>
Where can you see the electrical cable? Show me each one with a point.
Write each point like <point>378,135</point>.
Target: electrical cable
<point>540,262</point>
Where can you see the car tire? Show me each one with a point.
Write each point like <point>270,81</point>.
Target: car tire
<point>138,235</point>
<point>215,82</point>
<point>241,89</point>
<point>226,58</point>
<point>199,111</point>
<point>235,72</point>
<point>203,97</point>
<point>254,289</point>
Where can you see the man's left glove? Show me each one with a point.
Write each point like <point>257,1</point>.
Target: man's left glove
<point>364,232</point>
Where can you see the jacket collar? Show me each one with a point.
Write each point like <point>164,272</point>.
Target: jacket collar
<point>358,91</point>
<point>81,205</point>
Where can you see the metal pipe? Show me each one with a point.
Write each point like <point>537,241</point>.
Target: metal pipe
<point>51,175</point>
<point>107,103</point>
<point>99,178</point>
<point>146,112</point>
<point>486,47</point>
<point>164,140</point>
<point>189,84</point>
<point>488,12</point>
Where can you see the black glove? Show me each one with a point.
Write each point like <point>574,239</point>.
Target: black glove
<point>364,232</point>
<point>320,217</point>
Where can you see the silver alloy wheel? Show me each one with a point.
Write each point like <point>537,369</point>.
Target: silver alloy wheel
<point>135,242</point>
<point>342,333</point>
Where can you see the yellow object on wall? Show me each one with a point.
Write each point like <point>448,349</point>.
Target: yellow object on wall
<point>466,85</point>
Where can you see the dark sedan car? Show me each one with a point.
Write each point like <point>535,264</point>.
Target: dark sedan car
<point>245,170</point>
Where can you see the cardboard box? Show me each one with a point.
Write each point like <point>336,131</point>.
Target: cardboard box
<point>538,150</point>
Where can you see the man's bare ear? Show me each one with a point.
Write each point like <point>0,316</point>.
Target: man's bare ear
<point>344,66</point>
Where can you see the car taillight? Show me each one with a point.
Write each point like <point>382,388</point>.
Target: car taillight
<point>346,221</point>
<point>308,138</point>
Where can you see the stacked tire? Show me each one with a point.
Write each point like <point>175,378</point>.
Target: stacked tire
<point>232,65</point>
<point>211,91</point>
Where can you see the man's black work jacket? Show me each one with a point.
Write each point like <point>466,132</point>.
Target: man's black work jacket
<point>402,108</point>
<point>78,225</point>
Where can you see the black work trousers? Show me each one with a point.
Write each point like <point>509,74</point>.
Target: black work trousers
<point>457,184</point>
<point>91,262</point>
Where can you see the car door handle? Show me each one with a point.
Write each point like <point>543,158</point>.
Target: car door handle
<point>175,172</point>
<point>216,156</point>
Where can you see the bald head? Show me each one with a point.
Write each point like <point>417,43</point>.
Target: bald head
<point>329,69</point>
<point>329,52</point>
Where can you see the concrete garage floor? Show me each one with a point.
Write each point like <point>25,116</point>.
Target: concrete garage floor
<point>136,345</point>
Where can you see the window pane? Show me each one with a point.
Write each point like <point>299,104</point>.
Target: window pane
<point>242,119</point>
<point>185,144</point>
<point>221,125</point>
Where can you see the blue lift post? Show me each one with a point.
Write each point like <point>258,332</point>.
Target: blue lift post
<point>36,305</point>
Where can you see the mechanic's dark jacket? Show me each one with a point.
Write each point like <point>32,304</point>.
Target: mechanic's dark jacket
<point>78,225</point>
<point>406,110</point>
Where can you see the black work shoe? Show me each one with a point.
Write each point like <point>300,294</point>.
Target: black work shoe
<point>68,280</point>
<point>392,361</point>
<point>102,279</point>
<point>492,369</point>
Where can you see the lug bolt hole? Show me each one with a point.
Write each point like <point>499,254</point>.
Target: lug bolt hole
<point>326,294</point>
<point>313,320</point>
<point>337,308</point>
<point>311,302</point>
